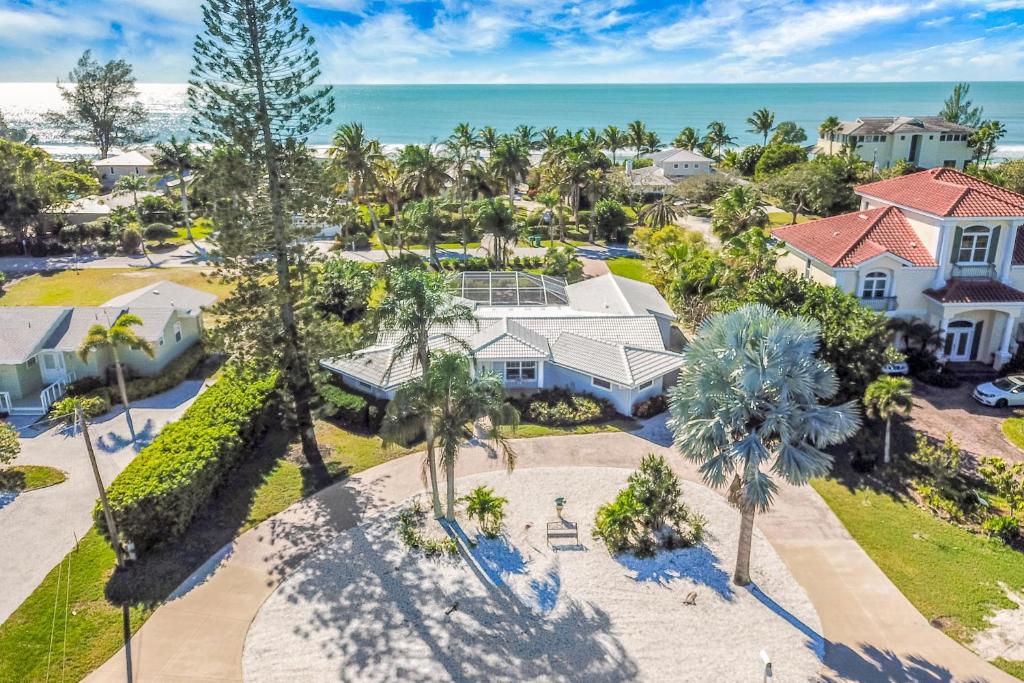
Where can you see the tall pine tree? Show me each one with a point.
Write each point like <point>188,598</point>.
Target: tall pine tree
<point>252,92</point>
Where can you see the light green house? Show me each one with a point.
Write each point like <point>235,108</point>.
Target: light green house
<point>39,344</point>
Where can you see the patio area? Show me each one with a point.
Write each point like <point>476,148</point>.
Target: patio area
<point>365,608</point>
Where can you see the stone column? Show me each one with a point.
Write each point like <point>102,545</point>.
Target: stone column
<point>940,355</point>
<point>942,257</point>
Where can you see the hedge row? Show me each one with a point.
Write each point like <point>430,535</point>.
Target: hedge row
<point>345,406</point>
<point>176,372</point>
<point>559,407</point>
<point>157,495</point>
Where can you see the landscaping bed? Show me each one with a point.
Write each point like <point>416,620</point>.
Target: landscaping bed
<point>24,478</point>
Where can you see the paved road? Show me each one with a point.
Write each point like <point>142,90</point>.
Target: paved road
<point>38,528</point>
<point>872,632</point>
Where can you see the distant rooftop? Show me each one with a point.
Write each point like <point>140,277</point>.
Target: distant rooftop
<point>512,289</point>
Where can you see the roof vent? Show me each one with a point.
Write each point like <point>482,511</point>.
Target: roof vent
<point>835,234</point>
<point>862,216</point>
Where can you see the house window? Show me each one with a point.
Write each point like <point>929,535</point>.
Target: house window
<point>876,285</point>
<point>161,343</point>
<point>49,362</point>
<point>177,332</point>
<point>646,385</point>
<point>601,383</point>
<point>31,362</point>
<point>364,385</point>
<point>883,138</point>
<point>974,245</point>
<point>949,163</point>
<point>520,370</point>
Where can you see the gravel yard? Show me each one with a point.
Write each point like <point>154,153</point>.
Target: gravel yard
<point>366,609</point>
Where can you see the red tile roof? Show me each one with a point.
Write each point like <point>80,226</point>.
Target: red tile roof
<point>958,291</point>
<point>853,238</point>
<point>947,192</point>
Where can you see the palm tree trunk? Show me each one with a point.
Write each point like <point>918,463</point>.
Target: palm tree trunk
<point>124,391</point>
<point>435,495</point>
<point>108,515</point>
<point>449,473</point>
<point>742,575</point>
<point>888,440</point>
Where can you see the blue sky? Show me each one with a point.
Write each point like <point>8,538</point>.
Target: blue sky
<point>550,41</point>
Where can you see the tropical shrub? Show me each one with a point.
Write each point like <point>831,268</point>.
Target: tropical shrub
<point>1005,528</point>
<point>562,262</point>
<point>778,156</point>
<point>345,406</point>
<point>655,405</point>
<point>159,232</point>
<point>156,208</point>
<point>703,188</point>
<point>944,486</point>
<point>486,508</point>
<point>649,513</point>
<point>158,494</point>
<point>9,444</point>
<point>609,221</point>
<point>559,407</point>
<point>131,240</point>
<point>940,376</point>
<point>410,531</point>
<point>1005,479</point>
<point>341,287</point>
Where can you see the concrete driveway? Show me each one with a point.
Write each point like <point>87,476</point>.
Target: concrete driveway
<point>974,426</point>
<point>38,528</point>
<point>184,255</point>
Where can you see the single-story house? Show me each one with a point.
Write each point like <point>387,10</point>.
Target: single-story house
<point>607,336</point>
<point>39,344</point>
<point>113,168</point>
<point>94,207</point>
<point>667,167</point>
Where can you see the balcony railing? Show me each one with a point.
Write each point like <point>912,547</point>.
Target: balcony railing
<point>881,304</point>
<point>984,271</point>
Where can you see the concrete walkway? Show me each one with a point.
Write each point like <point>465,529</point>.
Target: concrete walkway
<point>185,255</point>
<point>873,633</point>
<point>38,528</point>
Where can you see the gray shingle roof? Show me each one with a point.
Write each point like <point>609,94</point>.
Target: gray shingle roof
<point>72,329</point>
<point>23,330</point>
<point>164,294</point>
<point>873,125</point>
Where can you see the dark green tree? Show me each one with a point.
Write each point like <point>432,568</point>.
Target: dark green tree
<point>958,109</point>
<point>252,87</point>
<point>102,104</point>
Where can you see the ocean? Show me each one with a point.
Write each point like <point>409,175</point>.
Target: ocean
<point>402,114</point>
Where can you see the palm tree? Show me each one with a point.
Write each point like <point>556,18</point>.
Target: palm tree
<point>548,137</point>
<point>659,213</point>
<point>719,137</point>
<point>117,336</point>
<point>134,184</point>
<point>636,133</point>
<point>886,397</point>
<point>511,162</point>
<point>419,305</point>
<point>828,129</point>
<point>485,507</point>
<point>762,121</point>
<point>174,157</point>
<point>613,139</point>
<point>749,398</point>
<point>461,153</point>
<point>496,218</point>
<point>488,138</point>
<point>751,254</point>
<point>984,140</point>
<point>424,173</point>
<point>450,398</point>
<point>687,139</point>
<point>526,136</point>
<point>739,209</point>
<point>356,157</point>
<point>423,218</point>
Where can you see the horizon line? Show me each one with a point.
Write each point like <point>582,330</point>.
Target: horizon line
<point>583,83</point>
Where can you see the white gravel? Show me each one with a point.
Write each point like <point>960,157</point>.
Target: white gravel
<point>366,609</point>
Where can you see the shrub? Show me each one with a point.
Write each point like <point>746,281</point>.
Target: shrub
<point>159,232</point>
<point>350,408</point>
<point>131,240</point>
<point>158,494</point>
<point>175,372</point>
<point>562,262</point>
<point>9,444</point>
<point>486,508</point>
<point>559,407</point>
<point>609,220</point>
<point>1006,528</point>
<point>655,405</point>
<point>410,522</point>
<point>775,157</point>
<point>649,513</point>
<point>943,377</point>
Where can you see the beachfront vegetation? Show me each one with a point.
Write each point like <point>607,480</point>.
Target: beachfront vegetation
<point>752,396</point>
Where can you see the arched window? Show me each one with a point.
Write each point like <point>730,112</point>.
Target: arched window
<point>974,245</point>
<point>876,285</point>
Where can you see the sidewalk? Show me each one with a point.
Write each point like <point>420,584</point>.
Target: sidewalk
<point>184,255</point>
<point>873,633</point>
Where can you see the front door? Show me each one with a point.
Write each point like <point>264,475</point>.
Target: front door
<point>959,342</point>
<point>53,366</point>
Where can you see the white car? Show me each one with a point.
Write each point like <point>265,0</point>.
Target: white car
<point>1002,392</point>
<point>899,368</point>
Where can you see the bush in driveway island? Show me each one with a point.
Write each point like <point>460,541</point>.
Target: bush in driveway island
<point>161,490</point>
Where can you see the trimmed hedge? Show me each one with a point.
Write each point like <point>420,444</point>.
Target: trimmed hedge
<point>347,407</point>
<point>176,372</point>
<point>559,407</point>
<point>156,496</point>
<point>655,405</point>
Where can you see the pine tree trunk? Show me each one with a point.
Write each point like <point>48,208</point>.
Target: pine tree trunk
<point>124,391</point>
<point>184,209</point>
<point>296,370</point>
<point>742,575</point>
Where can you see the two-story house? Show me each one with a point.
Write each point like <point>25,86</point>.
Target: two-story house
<point>924,141</point>
<point>940,245</point>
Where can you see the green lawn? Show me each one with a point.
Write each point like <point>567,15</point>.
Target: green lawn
<point>528,430</point>
<point>633,268</point>
<point>1013,429</point>
<point>22,478</point>
<point>199,232</point>
<point>777,218</point>
<point>94,286</point>
<point>948,573</point>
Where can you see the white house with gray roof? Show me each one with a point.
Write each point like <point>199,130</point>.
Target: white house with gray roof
<point>39,344</point>
<point>924,141</point>
<point>607,336</point>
